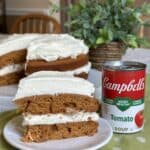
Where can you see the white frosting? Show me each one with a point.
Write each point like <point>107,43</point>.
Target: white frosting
<point>49,119</point>
<point>11,69</point>
<point>16,42</point>
<point>54,85</point>
<point>85,69</point>
<point>55,46</point>
<point>50,74</point>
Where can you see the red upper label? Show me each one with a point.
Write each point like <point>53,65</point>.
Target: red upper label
<point>124,84</point>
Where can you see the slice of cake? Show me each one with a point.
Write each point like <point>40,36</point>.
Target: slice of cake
<point>13,56</point>
<point>58,52</point>
<point>55,107</point>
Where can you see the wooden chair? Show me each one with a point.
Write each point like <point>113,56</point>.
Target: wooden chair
<point>35,23</point>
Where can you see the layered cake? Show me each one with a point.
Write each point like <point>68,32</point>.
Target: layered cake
<point>58,52</point>
<point>13,56</point>
<point>57,106</point>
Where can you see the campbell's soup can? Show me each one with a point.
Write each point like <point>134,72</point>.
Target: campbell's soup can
<point>123,86</point>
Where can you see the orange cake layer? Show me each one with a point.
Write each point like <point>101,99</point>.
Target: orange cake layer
<point>40,133</point>
<point>57,65</point>
<point>11,78</point>
<point>44,104</point>
<point>14,57</point>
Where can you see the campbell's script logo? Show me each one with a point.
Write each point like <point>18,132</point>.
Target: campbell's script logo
<point>124,87</point>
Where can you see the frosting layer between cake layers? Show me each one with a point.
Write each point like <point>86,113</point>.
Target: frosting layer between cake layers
<point>53,85</point>
<point>11,69</point>
<point>56,46</point>
<point>43,74</point>
<point>49,119</point>
<point>16,42</point>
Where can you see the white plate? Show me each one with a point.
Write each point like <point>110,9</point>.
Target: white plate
<point>13,132</point>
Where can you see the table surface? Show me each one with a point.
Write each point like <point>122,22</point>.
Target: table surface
<point>136,141</point>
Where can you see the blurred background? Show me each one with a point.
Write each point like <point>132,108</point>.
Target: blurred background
<point>10,10</point>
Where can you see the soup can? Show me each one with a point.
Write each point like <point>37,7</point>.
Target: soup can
<point>123,86</point>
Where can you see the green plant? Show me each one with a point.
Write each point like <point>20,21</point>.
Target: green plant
<point>101,22</point>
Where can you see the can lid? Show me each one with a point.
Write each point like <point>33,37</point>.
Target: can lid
<point>124,65</point>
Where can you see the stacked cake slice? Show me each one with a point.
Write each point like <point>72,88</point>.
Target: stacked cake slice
<point>58,52</point>
<point>57,106</point>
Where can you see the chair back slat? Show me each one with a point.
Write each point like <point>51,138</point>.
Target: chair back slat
<point>36,23</point>
<point>24,27</point>
<point>44,27</point>
<point>21,27</point>
<point>40,26</point>
<point>51,27</point>
<point>28,26</point>
<point>34,28</point>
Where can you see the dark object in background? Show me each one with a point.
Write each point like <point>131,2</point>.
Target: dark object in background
<point>2,17</point>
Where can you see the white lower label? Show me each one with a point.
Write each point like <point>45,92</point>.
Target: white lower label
<point>128,121</point>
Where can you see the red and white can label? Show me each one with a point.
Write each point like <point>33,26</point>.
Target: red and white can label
<point>123,99</point>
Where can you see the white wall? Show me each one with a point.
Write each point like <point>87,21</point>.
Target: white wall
<point>26,3</point>
<point>21,7</point>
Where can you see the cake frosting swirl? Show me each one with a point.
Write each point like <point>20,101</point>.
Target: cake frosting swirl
<point>56,46</point>
<point>16,42</point>
<point>53,85</point>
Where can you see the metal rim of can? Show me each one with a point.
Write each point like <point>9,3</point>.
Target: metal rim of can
<point>123,65</point>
